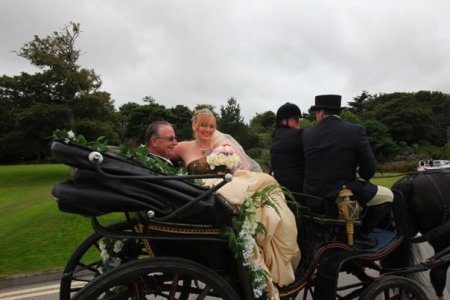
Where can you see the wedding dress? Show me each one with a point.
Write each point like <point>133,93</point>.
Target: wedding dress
<point>199,166</point>
<point>277,250</point>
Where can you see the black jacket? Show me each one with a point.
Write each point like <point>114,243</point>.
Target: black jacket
<point>334,150</point>
<point>286,158</point>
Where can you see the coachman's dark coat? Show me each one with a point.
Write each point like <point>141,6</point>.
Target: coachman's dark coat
<point>286,158</point>
<point>333,150</point>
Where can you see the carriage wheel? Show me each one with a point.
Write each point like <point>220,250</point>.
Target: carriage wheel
<point>82,266</point>
<point>158,278</point>
<point>393,287</point>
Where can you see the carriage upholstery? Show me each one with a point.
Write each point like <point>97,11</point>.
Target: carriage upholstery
<point>91,193</point>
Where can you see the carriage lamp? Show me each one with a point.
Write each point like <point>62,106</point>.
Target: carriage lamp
<point>349,211</point>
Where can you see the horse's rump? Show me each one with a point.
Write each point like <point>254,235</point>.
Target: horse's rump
<point>425,205</point>
<point>423,208</point>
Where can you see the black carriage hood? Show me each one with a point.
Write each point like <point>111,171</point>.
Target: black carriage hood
<point>90,193</point>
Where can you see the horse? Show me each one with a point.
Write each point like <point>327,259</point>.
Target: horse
<point>422,205</point>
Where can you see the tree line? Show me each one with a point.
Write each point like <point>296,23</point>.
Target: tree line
<point>64,95</point>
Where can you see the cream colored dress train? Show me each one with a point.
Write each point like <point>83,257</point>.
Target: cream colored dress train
<point>277,250</point>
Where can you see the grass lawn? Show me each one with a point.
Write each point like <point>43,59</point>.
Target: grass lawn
<point>35,236</point>
<point>386,179</point>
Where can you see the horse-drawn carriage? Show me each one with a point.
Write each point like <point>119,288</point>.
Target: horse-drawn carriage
<point>170,244</point>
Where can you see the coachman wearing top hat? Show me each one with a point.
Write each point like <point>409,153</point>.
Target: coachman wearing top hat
<point>335,151</point>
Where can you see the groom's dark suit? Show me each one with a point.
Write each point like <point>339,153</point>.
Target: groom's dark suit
<point>164,159</point>
<point>333,151</point>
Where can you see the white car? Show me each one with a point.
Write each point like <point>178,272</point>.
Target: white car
<point>433,164</point>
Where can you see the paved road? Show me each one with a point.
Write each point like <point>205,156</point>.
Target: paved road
<point>42,291</point>
<point>30,289</point>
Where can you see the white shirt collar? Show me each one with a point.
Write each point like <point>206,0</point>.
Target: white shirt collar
<point>162,157</point>
<point>332,115</point>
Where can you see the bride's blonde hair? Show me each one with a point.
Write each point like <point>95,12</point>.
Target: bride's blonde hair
<point>201,117</point>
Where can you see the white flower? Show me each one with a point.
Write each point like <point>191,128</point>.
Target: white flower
<point>105,255</point>
<point>250,226</point>
<point>258,293</point>
<point>102,245</point>
<point>220,159</point>
<point>118,246</point>
<point>232,161</point>
<point>115,262</point>
<point>256,267</point>
<point>71,134</point>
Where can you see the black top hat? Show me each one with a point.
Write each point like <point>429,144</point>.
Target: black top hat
<point>327,102</point>
<point>288,110</point>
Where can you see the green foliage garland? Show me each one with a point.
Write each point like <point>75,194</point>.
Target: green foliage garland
<point>139,154</point>
<point>241,235</point>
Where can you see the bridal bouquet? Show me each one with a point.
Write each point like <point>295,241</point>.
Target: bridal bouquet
<point>223,157</point>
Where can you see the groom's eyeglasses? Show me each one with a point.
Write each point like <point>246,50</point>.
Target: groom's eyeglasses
<point>170,138</point>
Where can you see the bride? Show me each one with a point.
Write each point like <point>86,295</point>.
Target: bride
<point>276,250</point>
<point>207,138</point>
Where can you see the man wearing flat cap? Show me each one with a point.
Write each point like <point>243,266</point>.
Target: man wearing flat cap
<point>335,151</point>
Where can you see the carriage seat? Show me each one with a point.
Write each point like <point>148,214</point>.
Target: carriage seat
<point>321,210</point>
<point>319,205</point>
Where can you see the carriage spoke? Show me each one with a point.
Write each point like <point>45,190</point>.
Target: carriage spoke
<point>90,267</point>
<point>204,293</point>
<point>175,281</point>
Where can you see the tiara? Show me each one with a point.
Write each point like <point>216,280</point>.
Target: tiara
<point>203,111</point>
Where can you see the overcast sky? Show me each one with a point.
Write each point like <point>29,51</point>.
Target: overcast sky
<point>263,53</point>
